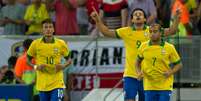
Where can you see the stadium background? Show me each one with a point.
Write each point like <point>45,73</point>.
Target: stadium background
<point>97,60</point>
<point>109,55</point>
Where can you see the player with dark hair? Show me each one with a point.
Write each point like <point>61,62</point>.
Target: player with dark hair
<point>24,73</point>
<point>47,52</point>
<point>157,55</point>
<point>132,36</point>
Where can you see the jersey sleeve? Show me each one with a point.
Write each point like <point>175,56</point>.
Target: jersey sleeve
<point>18,68</point>
<point>174,57</point>
<point>121,32</point>
<point>32,49</point>
<point>64,49</point>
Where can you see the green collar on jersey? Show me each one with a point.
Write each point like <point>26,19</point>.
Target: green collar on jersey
<point>52,41</point>
<point>133,27</point>
<point>162,43</point>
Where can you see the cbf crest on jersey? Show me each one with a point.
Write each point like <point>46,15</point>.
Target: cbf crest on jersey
<point>163,51</point>
<point>56,50</point>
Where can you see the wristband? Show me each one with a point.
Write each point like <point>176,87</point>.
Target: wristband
<point>35,67</point>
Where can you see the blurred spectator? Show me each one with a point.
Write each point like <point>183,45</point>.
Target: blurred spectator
<point>192,6</point>
<point>24,2</point>
<point>11,62</point>
<point>147,5</point>
<point>24,73</point>
<point>35,14</point>
<point>1,4</point>
<point>4,69</point>
<point>11,18</point>
<point>114,13</point>
<point>163,12</point>
<point>1,76</point>
<point>184,25</point>
<point>9,77</point>
<point>66,22</point>
<point>21,67</point>
<point>82,17</point>
<point>91,5</point>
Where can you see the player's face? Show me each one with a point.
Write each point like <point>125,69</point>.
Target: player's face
<point>155,32</point>
<point>48,29</point>
<point>138,17</point>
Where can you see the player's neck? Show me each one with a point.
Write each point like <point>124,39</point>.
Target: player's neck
<point>139,26</point>
<point>156,42</point>
<point>48,39</point>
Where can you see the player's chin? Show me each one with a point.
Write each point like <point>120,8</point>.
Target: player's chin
<point>48,35</point>
<point>138,21</point>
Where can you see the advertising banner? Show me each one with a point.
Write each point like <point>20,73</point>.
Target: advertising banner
<point>99,63</point>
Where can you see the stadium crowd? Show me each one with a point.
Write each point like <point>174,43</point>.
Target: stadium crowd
<point>71,17</point>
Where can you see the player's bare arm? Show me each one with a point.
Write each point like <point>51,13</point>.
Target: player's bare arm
<point>60,67</point>
<point>172,71</point>
<point>138,68</point>
<point>124,16</point>
<point>174,27</point>
<point>102,28</point>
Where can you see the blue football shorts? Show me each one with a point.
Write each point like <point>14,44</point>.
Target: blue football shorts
<point>132,87</point>
<point>53,95</point>
<point>162,95</point>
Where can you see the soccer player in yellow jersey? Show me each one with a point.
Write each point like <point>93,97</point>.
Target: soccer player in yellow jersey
<point>160,62</point>
<point>47,52</point>
<point>132,36</point>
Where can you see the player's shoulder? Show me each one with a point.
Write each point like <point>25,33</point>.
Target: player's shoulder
<point>169,45</point>
<point>145,44</point>
<point>38,40</point>
<point>60,41</point>
<point>124,29</point>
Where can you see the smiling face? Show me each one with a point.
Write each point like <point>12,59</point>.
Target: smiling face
<point>48,29</point>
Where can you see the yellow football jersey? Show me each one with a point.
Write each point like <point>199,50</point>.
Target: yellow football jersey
<point>156,61</point>
<point>49,54</point>
<point>132,40</point>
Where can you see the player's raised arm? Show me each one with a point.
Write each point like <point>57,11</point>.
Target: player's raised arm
<point>174,27</point>
<point>102,28</point>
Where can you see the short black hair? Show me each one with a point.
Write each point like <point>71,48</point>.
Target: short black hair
<point>27,43</point>
<point>12,61</point>
<point>157,24</point>
<point>47,21</point>
<point>138,9</point>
